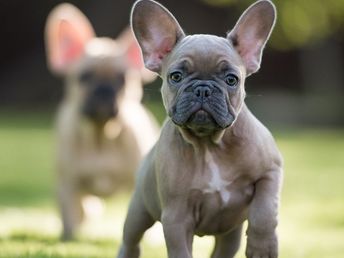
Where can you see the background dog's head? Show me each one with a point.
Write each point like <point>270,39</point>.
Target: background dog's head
<point>99,72</point>
<point>203,75</point>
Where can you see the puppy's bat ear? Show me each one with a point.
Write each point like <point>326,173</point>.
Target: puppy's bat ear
<point>67,31</point>
<point>156,30</point>
<point>133,54</point>
<point>251,33</point>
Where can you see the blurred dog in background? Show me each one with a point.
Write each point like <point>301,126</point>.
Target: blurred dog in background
<point>102,128</point>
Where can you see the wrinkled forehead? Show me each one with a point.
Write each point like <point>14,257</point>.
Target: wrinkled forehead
<point>205,53</point>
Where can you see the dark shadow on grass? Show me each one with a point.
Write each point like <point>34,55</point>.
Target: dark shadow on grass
<point>31,237</point>
<point>53,240</point>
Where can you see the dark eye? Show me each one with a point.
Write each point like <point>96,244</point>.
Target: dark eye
<point>176,77</point>
<point>231,80</point>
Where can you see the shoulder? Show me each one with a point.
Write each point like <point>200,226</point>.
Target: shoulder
<point>257,141</point>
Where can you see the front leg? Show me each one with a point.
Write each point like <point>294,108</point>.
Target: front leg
<point>227,245</point>
<point>138,220</point>
<point>262,219</point>
<point>70,205</point>
<point>178,232</point>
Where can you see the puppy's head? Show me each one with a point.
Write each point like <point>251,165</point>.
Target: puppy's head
<point>203,75</point>
<point>96,70</point>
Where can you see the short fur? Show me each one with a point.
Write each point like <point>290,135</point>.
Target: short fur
<point>215,165</point>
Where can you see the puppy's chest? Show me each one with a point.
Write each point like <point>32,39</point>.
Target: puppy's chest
<point>218,178</point>
<point>101,169</point>
<point>106,155</point>
<point>219,195</point>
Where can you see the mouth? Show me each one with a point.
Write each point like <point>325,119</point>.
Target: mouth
<point>203,115</point>
<point>203,122</point>
<point>99,114</point>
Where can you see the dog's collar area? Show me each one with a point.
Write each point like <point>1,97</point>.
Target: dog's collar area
<point>197,141</point>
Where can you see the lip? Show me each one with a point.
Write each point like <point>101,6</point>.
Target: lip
<point>201,119</point>
<point>202,123</point>
<point>201,116</point>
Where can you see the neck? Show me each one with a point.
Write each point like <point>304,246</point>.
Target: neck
<point>101,132</point>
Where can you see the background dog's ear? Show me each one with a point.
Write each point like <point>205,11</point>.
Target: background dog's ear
<point>156,30</point>
<point>67,31</point>
<point>251,33</point>
<point>133,54</point>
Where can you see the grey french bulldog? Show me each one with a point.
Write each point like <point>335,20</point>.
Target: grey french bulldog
<point>215,165</point>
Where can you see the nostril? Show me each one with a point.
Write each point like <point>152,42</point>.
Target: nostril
<point>206,92</point>
<point>198,92</point>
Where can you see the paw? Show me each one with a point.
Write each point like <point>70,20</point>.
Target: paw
<point>262,246</point>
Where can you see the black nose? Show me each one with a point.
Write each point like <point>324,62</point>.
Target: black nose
<point>202,91</point>
<point>104,92</point>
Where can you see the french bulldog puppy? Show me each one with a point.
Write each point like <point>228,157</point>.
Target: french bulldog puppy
<point>215,165</point>
<point>103,130</point>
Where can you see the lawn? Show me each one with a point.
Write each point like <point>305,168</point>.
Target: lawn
<point>311,217</point>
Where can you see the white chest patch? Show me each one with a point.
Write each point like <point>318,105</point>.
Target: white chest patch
<point>216,184</point>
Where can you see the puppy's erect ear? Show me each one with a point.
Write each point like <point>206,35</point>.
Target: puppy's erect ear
<point>156,30</point>
<point>66,33</point>
<point>251,32</point>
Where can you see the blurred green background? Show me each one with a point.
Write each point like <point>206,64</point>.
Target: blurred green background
<point>298,93</point>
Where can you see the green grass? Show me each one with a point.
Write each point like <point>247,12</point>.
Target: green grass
<point>311,217</point>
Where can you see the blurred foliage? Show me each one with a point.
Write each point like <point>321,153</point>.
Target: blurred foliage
<point>299,21</point>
